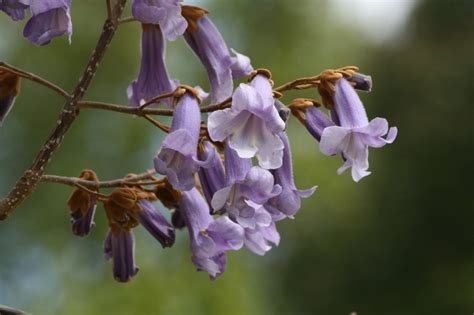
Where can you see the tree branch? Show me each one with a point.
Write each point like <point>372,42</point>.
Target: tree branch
<point>34,78</point>
<point>74,181</point>
<point>27,183</point>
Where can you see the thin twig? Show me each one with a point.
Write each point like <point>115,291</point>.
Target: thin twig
<point>125,109</point>
<point>126,20</point>
<point>27,183</point>
<point>98,195</point>
<point>157,98</point>
<point>34,78</point>
<point>109,9</point>
<point>73,181</point>
<point>158,124</point>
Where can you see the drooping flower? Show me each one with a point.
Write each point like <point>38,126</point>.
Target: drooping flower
<point>207,43</point>
<point>119,246</point>
<point>83,206</point>
<point>9,90</point>
<point>355,134</point>
<point>155,223</point>
<point>258,240</point>
<point>177,158</point>
<point>246,192</point>
<point>15,8</point>
<point>153,78</point>
<point>252,124</point>
<point>210,238</point>
<point>211,177</point>
<point>50,19</point>
<point>166,13</point>
<point>288,201</point>
<point>126,208</point>
<point>316,121</point>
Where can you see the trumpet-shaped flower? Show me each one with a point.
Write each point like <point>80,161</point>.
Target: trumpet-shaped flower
<point>166,13</point>
<point>259,240</point>
<point>210,238</point>
<point>211,177</point>
<point>50,19</point>
<point>246,193</point>
<point>119,246</point>
<point>207,43</point>
<point>252,124</point>
<point>355,134</point>
<point>289,201</point>
<point>155,223</point>
<point>177,158</point>
<point>15,8</point>
<point>153,78</point>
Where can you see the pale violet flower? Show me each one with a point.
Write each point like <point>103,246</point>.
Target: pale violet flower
<point>177,158</point>
<point>15,8</point>
<point>208,44</point>
<point>50,19</point>
<point>210,238</point>
<point>153,78</point>
<point>259,240</point>
<point>288,202</point>
<point>252,124</point>
<point>355,134</point>
<point>248,189</point>
<point>166,13</point>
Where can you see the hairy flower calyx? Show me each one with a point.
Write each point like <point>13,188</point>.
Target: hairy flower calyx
<point>9,84</point>
<point>192,14</point>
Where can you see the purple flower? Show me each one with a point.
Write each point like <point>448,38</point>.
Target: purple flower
<point>289,201</point>
<point>83,222</point>
<point>119,246</point>
<point>166,13</point>
<point>211,177</point>
<point>258,240</point>
<point>155,223</point>
<point>252,124</point>
<point>245,195</point>
<point>207,43</point>
<point>153,79</point>
<point>15,8</point>
<point>177,158</point>
<point>9,90</point>
<point>50,18</point>
<point>355,134</point>
<point>316,121</point>
<point>210,238</point>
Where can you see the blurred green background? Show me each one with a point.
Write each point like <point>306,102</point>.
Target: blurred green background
<point>399,242</point>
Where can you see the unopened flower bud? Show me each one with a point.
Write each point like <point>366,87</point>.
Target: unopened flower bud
<point>9,90</point>
<point>83,206</point>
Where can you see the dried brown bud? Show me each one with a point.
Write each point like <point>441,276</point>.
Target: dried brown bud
<point>121,207</point>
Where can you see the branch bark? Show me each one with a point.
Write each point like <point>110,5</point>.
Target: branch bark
<point>27,183</point>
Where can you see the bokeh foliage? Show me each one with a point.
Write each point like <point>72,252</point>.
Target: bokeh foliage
<point>399,242</point>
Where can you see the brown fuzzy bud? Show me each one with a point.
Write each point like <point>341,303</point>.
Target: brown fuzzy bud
<point>9,84</point>
<point>80,201</point>
<point>168,196</point>
<point>192,14</point>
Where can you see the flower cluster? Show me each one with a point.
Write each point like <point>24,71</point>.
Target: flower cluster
<point>227,177</point>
